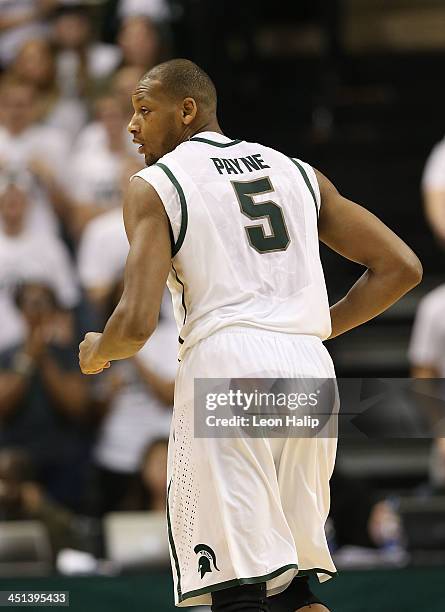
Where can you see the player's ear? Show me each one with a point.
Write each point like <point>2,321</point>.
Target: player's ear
<point>189,111</point>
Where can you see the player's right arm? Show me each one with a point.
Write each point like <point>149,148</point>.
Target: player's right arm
<point>355,233</point>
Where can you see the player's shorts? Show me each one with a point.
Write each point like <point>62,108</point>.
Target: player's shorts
<point>244,510</point>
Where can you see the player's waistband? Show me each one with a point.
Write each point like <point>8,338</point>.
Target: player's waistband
<point>252,330</point>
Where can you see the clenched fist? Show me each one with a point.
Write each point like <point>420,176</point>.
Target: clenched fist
<point>89,361</point>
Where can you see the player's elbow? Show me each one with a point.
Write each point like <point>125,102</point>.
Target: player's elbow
<point>138,331</point>
<point>137,327</point>
<point>411,270</point>
<point>400,269</point>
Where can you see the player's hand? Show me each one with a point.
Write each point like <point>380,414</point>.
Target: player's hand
<point>89,361</point>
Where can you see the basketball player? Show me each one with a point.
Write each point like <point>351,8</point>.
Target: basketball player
<point>233,227</point>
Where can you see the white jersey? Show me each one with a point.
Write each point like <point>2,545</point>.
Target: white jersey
<point>244,238</point>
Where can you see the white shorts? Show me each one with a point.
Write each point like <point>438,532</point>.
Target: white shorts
<point>244,510</point>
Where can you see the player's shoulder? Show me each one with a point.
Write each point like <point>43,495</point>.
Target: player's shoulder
<point>292,160</point>
<point>171,158</point>
<point>253,144</point>
<point>164,164</point>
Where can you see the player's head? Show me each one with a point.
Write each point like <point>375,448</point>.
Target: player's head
<point>172,101</point>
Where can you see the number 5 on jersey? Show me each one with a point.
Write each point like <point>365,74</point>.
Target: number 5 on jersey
<point>279,239</point>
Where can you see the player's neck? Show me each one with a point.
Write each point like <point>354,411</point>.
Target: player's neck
<point>209,126</point>
<point>205,126</point>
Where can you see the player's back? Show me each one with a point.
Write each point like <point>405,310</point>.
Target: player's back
<point>245,252</point>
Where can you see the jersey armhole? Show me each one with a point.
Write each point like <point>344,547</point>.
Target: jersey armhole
<point>310,178</point>
<point>171,194</point>
<point>183,204</point>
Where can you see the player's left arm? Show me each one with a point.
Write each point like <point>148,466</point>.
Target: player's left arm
<point>148,264</point>
<point>355,233</point>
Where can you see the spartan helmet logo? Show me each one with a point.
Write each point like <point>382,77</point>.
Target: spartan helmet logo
<point>205,556</point>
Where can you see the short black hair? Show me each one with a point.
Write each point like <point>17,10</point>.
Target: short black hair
<point>182,78</point>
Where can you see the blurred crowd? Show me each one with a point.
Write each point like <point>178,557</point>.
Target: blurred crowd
<point>71,446</point>
<point>74,446</point>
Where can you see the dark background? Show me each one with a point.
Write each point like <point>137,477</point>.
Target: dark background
<point>355,89</point>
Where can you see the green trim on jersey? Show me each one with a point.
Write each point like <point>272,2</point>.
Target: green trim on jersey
<point>237,582</point>
<point>307,181</point>
<point>180,340</point>
<point>317,570</point>
<point>182,200</point>
<point>172,544</point>
<point>172,236</point>
<point>214,142</point>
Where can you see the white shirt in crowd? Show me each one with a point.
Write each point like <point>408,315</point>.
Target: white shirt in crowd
<point>12,39</point>
<point>157,10</point>
<point>95,175</point>
<point>47,144</point>
<point>32,257</point>
<point>427,346</point>
<point>102,61</point>
<point>434,171</point>
<point>136,417</point>
<point>94,136</point>
<point>69,115</point>
<point>95,179</point>
<point>103,250</point>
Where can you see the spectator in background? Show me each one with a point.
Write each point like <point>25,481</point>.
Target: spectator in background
<point>103,250</point>
<point>19,21</point>
<point>43,397</point>
<point>134,399</point>
<point>373,524</point>
<point>437,467</point>
<point>102,153</point>
<point>43,150</point>
<point>123,84</point>
<point>80,60</point>
<point>427,346</point>
<point>140,43</point>
<point>435,485</point>
<point>26,256</point>
<point>156,10</point>
<point>433,188</point>
<point>149,491</point>
<point>35,64</point>
<point>102,253</point>
<point>22,498</point>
